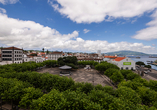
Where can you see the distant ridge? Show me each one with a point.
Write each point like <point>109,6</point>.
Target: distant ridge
<point>127,52</point>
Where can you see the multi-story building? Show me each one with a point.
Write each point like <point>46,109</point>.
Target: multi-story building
<point>55,55</point>
<point>12,55</point>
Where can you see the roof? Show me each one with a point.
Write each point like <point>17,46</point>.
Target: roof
<point>65,67</point>
<point>119,58</point>
<point>11,48</point>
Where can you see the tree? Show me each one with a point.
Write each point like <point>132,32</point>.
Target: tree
<point>148,66</point>
<point>104,66</point>
<point>43,49</point>
<point>30,93</point>
<point>47,52</point>
<point>128,94</point>
<point>140,63</point>
<point>109,72</point>
<point>117,77</point>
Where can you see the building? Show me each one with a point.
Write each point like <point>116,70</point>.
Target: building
<point>55,55</point>
<point>90,59</point>
<point>99,52</point>
<point>26,58</point>
<point>124,63</point>
<point>12,55</point>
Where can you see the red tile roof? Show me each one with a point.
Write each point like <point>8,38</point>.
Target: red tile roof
<point>11,48</point>
<point>119,58</point>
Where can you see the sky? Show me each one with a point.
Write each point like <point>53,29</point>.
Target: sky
<point>79,25</point>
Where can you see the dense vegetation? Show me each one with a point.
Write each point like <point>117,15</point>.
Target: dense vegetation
<point>26,88</point>
<point>70,61</point>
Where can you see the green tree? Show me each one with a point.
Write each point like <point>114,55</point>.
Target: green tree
<point>47,52</point>
<point>128,94</point>
<point>140,63</point>
<point>29,95</point>
<point>43,49</point>
<point>148,66</point>
<point>109,72</point>
<point>117,77</point>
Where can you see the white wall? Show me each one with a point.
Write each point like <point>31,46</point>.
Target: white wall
<point>120,64</point>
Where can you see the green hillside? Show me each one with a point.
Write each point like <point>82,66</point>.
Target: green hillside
<point>126,52</point>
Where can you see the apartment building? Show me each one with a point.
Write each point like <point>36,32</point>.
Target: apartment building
<point>55,55</point>
<point>11,55</point>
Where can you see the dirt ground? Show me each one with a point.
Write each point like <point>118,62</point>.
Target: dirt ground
<point>81,75</point>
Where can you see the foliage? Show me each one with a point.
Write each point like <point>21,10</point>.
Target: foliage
<point>153,85</point>
<point>117,77</point>
<point>98,96</point>
<point>125,72</point>
<point>50,63</point>
<point>109,72</point>
<point>147,95</point>
<point>128,94</point>
<point>67,60</point>
<point>33,54</point>
<point>148,66</point>
<point>30,93</point>
<point>72,65</point>
<point>91,63</point>
<point>104,66</point>
<point>132,76</point>
<point>131,84</point>
<point>140,63</point>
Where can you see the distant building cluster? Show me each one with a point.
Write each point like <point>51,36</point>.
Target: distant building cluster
<point>11,55</point>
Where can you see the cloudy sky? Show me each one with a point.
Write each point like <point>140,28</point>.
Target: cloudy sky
<point>79,25</point>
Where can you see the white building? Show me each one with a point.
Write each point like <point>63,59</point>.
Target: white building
<point>124,63</point>
<point>99,52</point>
<point>26,58</point>
<point>12,55</point>
<point>55,55</point>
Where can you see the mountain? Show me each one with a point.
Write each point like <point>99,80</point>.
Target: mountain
<point>127,52</point>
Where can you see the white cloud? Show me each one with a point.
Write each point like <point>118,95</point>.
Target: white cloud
<point>86,31</point>
<point>4,2</point>
<point>88,11</point>
<point>2,10</point>
<point>31,35</point>
<point>150,32</point>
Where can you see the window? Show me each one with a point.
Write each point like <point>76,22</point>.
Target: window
<point>7,59</point>
<point>126,68</point>
<point>121,68</point>
<point>6,51</point>
<point>126,59</point>
<point>7,56</point>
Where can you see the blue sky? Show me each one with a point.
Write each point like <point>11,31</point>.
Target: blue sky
<point>80,25</point>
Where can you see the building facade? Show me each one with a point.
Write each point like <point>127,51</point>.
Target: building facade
<point>124,63</point>
<point>12,55</point>
<point>55,55</point>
